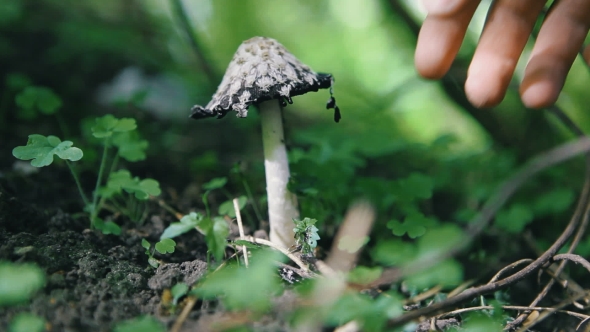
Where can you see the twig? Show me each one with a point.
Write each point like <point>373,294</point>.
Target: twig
<point>501,195</point>
<point>580,212</point>
<point>574,258</point>
<point>240,228</point>
<point>554,156</point>
<point>497,276</point>
<point>190,303</point>
<point>275,246</point>
<point>513,307</point>
<point>351,236</point>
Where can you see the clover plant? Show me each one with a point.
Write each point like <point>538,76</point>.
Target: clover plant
<point>122,192</point>
<point>165,246</point>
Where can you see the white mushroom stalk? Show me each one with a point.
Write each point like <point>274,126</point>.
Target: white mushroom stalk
<point>282,204</point>
<point>263,73</point>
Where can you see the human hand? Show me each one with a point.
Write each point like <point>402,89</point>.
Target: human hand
<point>508,27</point>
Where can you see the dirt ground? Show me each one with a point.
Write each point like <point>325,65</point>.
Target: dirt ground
<point>93,280</point>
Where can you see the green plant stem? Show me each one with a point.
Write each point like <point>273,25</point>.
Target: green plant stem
<point>77,180</point>
<point>206,203</point>
<point>94,211</point>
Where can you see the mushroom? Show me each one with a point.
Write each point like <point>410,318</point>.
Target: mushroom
<point>263,73</point>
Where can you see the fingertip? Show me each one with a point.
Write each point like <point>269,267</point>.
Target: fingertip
<point>539,94</point>
<point>427,66</point>
<point>483,93</point>
<point>443,7</point>
<point>487,81</point>
<point>543,79</point>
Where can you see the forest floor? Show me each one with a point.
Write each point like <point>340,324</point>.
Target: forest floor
<point>94,280</point>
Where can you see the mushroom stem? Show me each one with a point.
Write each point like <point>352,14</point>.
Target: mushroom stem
<point>282,204</point>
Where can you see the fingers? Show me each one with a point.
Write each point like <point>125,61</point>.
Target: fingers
<point>507,29</point>
<point>441,35</point>
<point>560,39</point>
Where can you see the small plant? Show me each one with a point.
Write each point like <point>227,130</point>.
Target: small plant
<point>306,236</point>
<point>124,192</point>
<point>165,246</point>
<point>216,231</point>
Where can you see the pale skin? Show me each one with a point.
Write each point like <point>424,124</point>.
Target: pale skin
<point>508,27</point>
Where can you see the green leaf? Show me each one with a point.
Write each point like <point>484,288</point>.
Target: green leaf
<point>18,282</point>
<point>248,244</point>
<point>140,324</point>
<point>227,207</point>
<point>415,225</point>
<point>515,218</point>
<point>417,185</point>
<point>27,322</point>
<point>107,125</point>
<point>439,239</point>
<point>145,244</point>
<point>40,98</point>
<point>216,237</point>
<point>142,189</point>
<point>187,223</point>
<point>42,149</point>
<point>306,235</point>
<point>165,246</point>
<point>106,228</point>
<point>179,290</point>
<point>153,262</point>
<point>394,252</point>
<point>17,81</point>
<point>253,289</point>
<point>131,147</point>
<point>555,201</point>
<point>215,183</point>
<point>447,273</point>
<point>363,275</point>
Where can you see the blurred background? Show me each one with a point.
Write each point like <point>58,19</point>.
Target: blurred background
<point>154,59</point>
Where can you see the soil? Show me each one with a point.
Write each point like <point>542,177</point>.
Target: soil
<point>93,280</point>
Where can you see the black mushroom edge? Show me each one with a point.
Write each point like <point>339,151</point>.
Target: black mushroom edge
<point>324,81</point>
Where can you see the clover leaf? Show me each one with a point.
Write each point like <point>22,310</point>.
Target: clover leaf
<point>40,98</point>
<point>215,183</point>
<point>187,223</point>
<point>130,146</point>
<point>165,246</point>
<point>515,218</point>
<point>107,125</point>
<point>108,227</point>
<point>227,207</point>
<point>142,189</point>
<point>42,149</point>
<point>19,282</point>
<point>179,290</point>
<point>415,225</point>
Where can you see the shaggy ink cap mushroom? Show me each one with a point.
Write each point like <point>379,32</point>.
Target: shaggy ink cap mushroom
<point>262,69</point>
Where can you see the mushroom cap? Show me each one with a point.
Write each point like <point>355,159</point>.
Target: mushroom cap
<point>261,69</point>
